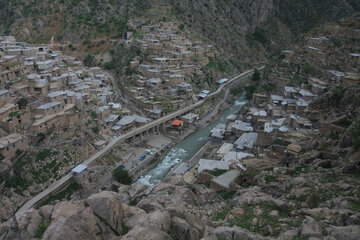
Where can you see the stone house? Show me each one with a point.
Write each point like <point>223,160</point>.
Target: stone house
<point>239,127</point>
<point>176,78</point>
<point>40,87</point>
<point>7,109</point>
<point>259,99</point>
<point>152,73</point>
<point>277,80</point>
<point>15,119</point>
<point>58,96</point>
<point>10,144</point>
<point>56,120</point>
<point>334,76</point>
<point>188,69</point>
<point>4,97</point>
<point>351,79</point>
<point>317,86</point>
<point>49,108</point>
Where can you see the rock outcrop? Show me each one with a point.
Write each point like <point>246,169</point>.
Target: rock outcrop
<point>107,206</point>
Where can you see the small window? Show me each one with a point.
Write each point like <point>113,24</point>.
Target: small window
<point>13,145</point>
<point>7,148</point>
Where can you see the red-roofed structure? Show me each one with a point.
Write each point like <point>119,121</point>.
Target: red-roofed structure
<point>177,123</point>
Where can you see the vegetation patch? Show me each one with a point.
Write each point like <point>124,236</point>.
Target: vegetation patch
<point>44,224</point>
<point>41,156</point>
<point>65,194</point>
<point>217,172</point>
<point>355,133</point>
<point>269,178</point>
<point>221,214</point>
<point>279,141</point>
<point>264,219</point>
<point>354,205</point>
<point>227,195</point>
<point>216,65</point>
<point>122,176</point>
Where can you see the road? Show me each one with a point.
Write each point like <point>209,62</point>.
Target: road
<point>121,139</point>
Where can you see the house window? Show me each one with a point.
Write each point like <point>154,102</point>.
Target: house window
<point>13,145</point>
<point>7,148</point>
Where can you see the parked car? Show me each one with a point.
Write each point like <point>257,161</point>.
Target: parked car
<point>148,151</point>
<point>121,166</point>
<point>142,157</point>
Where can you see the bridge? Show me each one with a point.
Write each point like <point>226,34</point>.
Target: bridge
<point>141,132</point>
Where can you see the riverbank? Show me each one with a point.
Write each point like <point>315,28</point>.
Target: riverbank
<point>189,145</point>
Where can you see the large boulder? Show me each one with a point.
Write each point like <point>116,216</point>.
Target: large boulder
<point>147,233</point>
<point>129,211</point>
<point>288,235</point>
<point>349,232</point>
<point>29,223</point>
<point>179,211</point>
<point>234,233</point>
<point>66,209</point>
<point>46,211</point>
<point>81,225</point>
<point>137,191</point>
<point>183,230</point>
<point>157,219</point>
<point>311,228</point>
<point>149,205</point>
<point>108,206</point>
<point>254,195</point>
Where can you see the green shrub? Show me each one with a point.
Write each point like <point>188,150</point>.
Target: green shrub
<point>41,137</point>
<point>308,69</point>
<point>249,91</point>
<point>260,36</point>
<point>22,102</point>
<point>256,76</point>
<point>236,91</point>
<point>93,114</point>
<point>338,94</point>
<point>355,133</point>
<point>44,224</point>
<point>217,172</point>
<point>109,65</point>
<point>220,215</point>
<point>96,129</point>
<point>122,176</point>
<point>88,59</point>
<point>279,141</point>
<point>45,154</point>
<point>18,152</point>
<point>269,178</point>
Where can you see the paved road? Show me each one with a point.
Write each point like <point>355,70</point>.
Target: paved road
<point>123,138</point>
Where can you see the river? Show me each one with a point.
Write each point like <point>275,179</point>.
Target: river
<point>185,149</point>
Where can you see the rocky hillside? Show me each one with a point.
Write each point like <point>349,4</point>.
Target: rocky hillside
<point>241,27</point>
<point>312,196</point>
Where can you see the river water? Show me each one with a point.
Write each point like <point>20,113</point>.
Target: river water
<point>185,149</point>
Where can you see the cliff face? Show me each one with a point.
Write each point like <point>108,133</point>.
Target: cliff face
<point>236,26</point>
